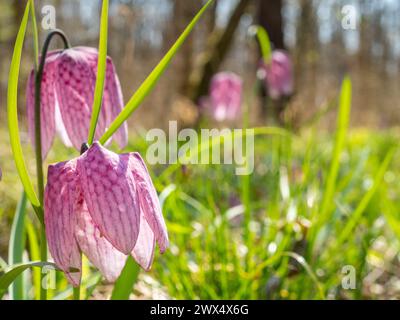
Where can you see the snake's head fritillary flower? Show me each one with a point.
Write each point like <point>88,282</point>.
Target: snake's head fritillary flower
<point>68,85</point>
<point>104,205</point>
<point>278,75</point>
<point>225,96</point>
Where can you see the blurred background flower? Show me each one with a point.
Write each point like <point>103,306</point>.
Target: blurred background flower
<point>225,99</point>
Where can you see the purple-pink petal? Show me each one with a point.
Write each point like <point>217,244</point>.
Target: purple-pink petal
<point>112,97</point>
<point>143,252</point>
<point>75,82</point>
<point>113,103</point>
<point>226,96</point>
<point>104,205</point>
<point>99,251</point>
<point>68,85</point>
<point>48,103</point>
<point>279,75</point>
<point>148,198</point>
<point>60,218</point>
<point>110,194</point>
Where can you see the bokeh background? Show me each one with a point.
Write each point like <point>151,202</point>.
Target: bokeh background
<point>202,261</point>
<point>142,30</point>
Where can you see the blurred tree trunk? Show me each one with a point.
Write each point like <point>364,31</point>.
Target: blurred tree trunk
<point>365,35</point>
<point>18,8</point>
<point>183,13</point>
<point>212,16</point>
<point>307,54</point>
<point>124,44</point>
<point>306,40</point>
<point>218,47</point>
<point>270,17</point>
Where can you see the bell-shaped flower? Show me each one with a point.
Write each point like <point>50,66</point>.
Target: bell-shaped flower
<point>225,97</point>
<point>67,93</point>
<point>278,75</point>
<point>105,206</point>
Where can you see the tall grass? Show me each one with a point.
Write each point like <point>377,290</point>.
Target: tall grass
<point>211,256</point>
<point>235,237</point>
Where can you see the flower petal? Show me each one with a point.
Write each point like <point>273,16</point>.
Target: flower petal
<point>149,202</point>
<point>112,99</point>
<point>99,251</point>
<point>75,83</point>
<point>226,96</point>
<point>60,128</point>
<point>114,103</point>
<point>110,194</point>
<point>143,252</point>
<point>48,101</point>
<point>91,55</point>
<point>279,75</point>
<point>60,218</point>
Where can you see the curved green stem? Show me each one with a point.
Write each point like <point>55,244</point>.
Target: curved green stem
<point>38,145</point>
<point>38,131</point>
<point>264,41</point>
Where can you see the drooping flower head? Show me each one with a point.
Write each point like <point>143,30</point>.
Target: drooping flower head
<point>278,75</point>
<point>67,92</point>
<point>225,97</point>
<point>104,205</point>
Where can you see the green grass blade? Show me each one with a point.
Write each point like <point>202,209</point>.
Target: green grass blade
<point>308,269</point>
<point>35,34</point>
<point>16,247</point>
<point>391,214</point>
<point>15,271</point>
<point>12,114</point>
<point>257,131</point>
<point>150,82</point>
<point>341,133</point>
<point>3,264</point>
<point>124,285</point>
<point>34,254</point>
<point>90,284</point>
<point>357,214</point>
<point>265,43</point>
<point>101,71</point>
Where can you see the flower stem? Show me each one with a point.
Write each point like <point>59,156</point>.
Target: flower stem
<point>43,257</point>
<point>38,148</point>
<point>77,293</point>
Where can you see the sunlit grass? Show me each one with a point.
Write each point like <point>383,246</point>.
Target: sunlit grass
<point>208,253</point>
<point>208,257</point>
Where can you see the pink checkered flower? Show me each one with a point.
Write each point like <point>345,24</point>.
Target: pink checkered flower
<point>278,75</point>
<point>225,98</point>
<point>68,84</point>
<point>103,205</point>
